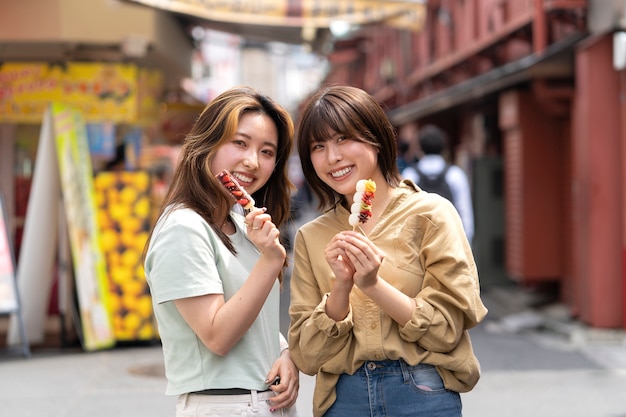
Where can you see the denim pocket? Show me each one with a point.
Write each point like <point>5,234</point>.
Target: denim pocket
<point>425,378</point>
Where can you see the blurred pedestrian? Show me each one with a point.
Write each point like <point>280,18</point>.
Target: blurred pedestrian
<point>380,315</point>
<point>432,169</point>
<point>214,274</point>
<point>407,146</point>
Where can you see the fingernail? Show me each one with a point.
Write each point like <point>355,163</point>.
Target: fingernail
<point>272,409</point>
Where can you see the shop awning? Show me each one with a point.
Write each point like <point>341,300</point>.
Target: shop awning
<point>294,21</point>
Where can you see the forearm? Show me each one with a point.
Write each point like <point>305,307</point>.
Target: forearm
<point>238,313</point>
<point>392,301</point>
<point>221,324</point>
<point>431,329</point>
<point>338,302</point>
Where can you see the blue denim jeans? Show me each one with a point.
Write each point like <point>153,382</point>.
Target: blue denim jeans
<point>394,389</point>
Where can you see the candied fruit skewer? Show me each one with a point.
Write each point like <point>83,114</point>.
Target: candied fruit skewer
<point>237,191</point>
<point>361,209</point>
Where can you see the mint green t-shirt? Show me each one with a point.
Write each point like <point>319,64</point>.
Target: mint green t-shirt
<point>187,259</point>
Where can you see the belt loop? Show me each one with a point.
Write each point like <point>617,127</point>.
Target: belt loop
<point>405,371</point>
<point>255,400</point>
<point>185,400</point>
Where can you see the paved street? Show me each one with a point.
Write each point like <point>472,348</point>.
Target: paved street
<point>544,374</point>
<point>535,362</point>
<point>533,365</point>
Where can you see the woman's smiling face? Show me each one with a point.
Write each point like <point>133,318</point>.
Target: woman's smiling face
<point>250,155</point>
<point>340,162</point>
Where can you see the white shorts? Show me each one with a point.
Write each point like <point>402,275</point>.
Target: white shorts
<point>247,405</point>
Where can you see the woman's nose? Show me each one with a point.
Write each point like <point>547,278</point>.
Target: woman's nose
<point>251,160</point>
<point>333,154</point>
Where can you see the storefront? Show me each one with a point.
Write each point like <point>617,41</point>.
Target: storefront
<point>94,132</point>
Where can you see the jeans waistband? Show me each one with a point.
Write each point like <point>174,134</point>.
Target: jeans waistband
<point>391,366</point>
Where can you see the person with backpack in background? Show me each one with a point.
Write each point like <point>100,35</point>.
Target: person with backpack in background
<point>407,146</point>
<point>434,174</point>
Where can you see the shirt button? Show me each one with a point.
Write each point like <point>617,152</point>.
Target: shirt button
<point>373,326</point>
<point>371,366</point>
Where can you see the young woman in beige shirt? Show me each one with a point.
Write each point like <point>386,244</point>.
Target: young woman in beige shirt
<point>379,314</point>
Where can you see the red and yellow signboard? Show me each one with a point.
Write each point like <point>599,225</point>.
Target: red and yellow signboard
<point>101,92</point>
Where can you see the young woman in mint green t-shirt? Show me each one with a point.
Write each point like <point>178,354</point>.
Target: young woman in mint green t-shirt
<point>215,270</point>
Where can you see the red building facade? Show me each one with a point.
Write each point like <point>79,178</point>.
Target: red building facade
<point>530,95</point>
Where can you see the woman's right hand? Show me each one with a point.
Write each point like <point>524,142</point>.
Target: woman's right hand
<point>338,303</point>
<point>338,261</point>
<point>264,234</point>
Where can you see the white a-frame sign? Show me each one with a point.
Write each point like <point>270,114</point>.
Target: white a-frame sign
<point>63,168</point>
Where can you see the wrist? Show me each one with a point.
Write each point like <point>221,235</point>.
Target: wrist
<point>342,290</point>
<point>271,266</point>
<point>370,287</point>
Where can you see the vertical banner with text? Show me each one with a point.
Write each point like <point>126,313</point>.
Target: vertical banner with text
<point>77,186</point>
<point>8,289</point>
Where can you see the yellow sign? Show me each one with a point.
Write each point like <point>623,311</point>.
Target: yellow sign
<point>149,92</point>
<point>80,209</point>
<point>102,92</point>
<point>407,14</point>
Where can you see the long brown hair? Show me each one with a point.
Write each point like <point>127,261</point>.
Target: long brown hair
<point>353,112</point>
<point>195,186</point>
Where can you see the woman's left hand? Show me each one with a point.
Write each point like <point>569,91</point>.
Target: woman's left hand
<point>287,390</point>
<point>364,255</point>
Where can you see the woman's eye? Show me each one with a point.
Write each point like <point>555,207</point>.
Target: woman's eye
<point>341,138</point>
<point>268,152</point>
<point>316,146</point>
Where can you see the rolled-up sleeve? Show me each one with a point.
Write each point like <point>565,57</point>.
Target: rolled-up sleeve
<point>449,301</point>
<point>314,337</point>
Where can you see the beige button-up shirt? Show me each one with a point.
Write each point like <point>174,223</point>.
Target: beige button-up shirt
<point>427,258</point>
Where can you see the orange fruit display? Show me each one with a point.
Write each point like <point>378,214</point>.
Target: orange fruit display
<point>124,215</point>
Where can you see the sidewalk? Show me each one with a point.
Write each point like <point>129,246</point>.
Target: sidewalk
<point>538,361</point>
<point>535,362</point>
<point>122,382</point>
<point>59,383</point>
